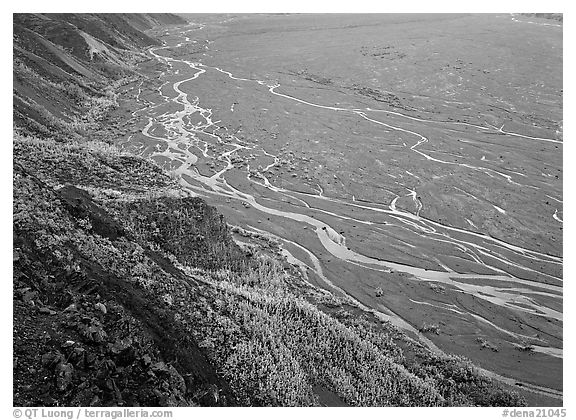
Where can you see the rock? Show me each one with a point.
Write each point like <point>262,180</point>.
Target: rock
<point>29,296</point>
<point>121,345</point>
<point>81,206</point>
<point>68,343</point>
<point>101,307</point>
<point>90,359</point>
<point>64,372</point>
<point>71,307</point>
<point>47,311</point>
<point>95,333</point>
<point>51,358</point>
<point>77,356</point>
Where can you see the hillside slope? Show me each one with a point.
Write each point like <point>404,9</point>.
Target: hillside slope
<point>66,67</point>
<point>127,291</point>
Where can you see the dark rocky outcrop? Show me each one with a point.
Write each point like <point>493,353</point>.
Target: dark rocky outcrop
<point>85,335</point>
